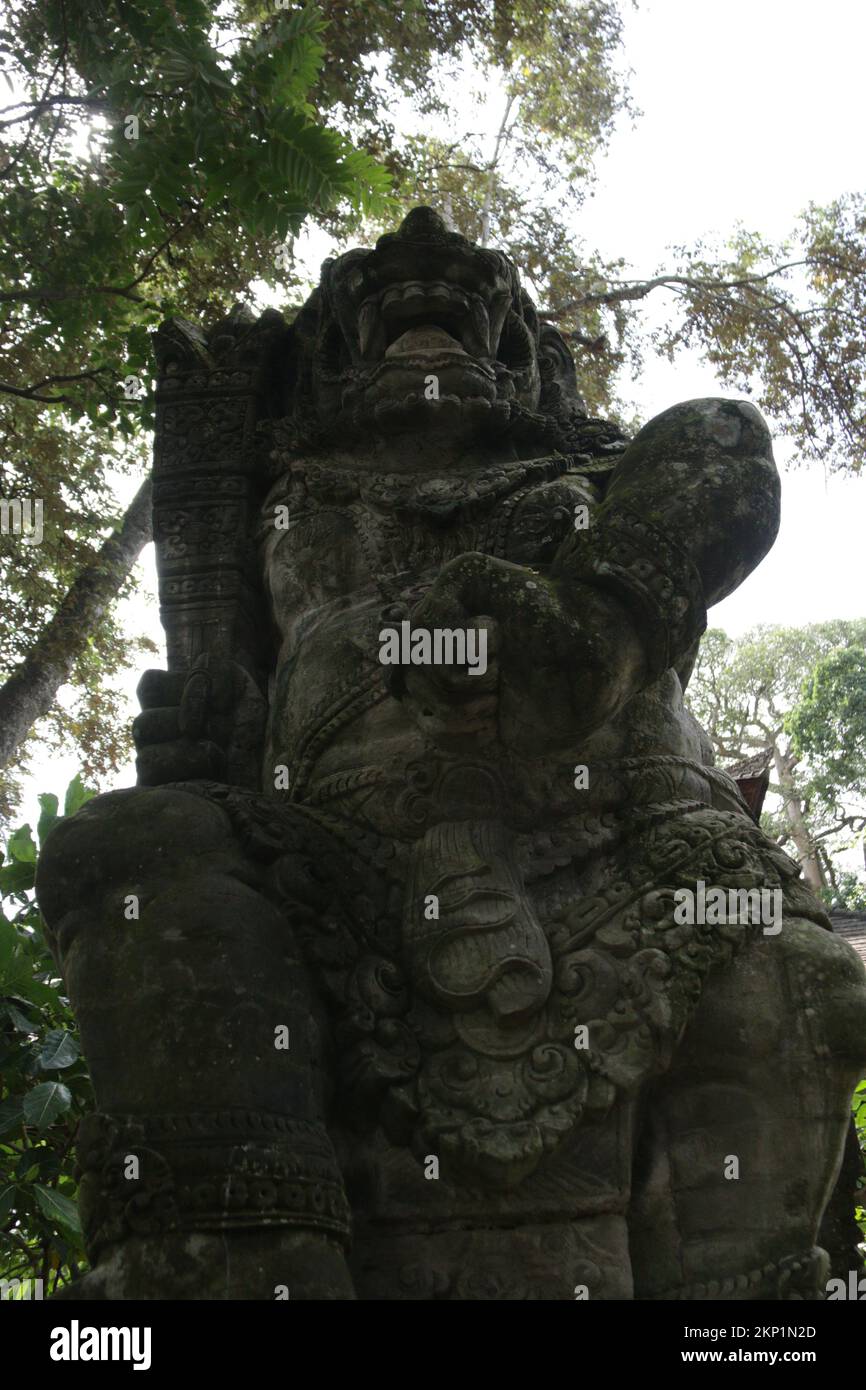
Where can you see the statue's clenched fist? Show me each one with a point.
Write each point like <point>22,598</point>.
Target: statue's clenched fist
<point>201,723</point>
<point>557,663</point>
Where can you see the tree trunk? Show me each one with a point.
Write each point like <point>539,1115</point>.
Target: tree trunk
<point>793,812</point>
<point>491,172</point>
<point>829,871</point>
<point>29,692</point>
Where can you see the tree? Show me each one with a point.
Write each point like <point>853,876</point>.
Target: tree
<point>751,698</point>
<point>44,1084</point>
<point>828,730</point>
<point>782,322</point>
<point>28,694</point>
<point>158,160</point>
<point>552,76</point>
<point>785,324</point>
<point>148,166</point>
<point>828,724</point>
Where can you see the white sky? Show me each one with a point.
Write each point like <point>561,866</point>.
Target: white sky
<point>750,110</point>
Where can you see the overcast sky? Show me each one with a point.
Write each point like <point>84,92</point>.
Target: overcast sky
<point>750,110</point>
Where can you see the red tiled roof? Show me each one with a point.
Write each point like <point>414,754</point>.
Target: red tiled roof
<point>851,925</point>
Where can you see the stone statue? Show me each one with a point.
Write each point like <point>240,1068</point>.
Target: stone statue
<point>410,970</point>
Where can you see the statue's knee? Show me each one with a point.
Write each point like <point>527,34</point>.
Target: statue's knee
<point>831,994</point>
<point>119,842</point>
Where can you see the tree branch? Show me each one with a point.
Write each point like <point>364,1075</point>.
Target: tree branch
<point>625,290</point>
<point>31,393</point>
<point>36,108</point>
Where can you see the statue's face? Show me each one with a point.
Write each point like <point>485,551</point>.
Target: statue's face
<point>425,332</point>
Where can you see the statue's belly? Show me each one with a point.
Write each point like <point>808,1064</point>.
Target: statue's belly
<point>351,747</point>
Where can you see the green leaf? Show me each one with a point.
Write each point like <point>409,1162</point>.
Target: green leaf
<point>11,1114</point>
<point>49,814</point>
<point>165,192</point>
<point>7,1200</point>
<point>21,845</point>
<point>45,1103</point>
<point>17,877</point>
<point>59,1050</point>
<point>59,1209</point>
<point>26,1171</point>
<point>16,974</point>
<point>34,990</point>
<point>76,795</point>
<point>19,1021</point>
<point>177,71</point>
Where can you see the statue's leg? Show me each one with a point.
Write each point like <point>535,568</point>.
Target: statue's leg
<point>743,1137</point>
<point>207,1170</point>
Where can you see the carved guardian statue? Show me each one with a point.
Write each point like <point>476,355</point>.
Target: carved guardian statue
<point>408,1010</point>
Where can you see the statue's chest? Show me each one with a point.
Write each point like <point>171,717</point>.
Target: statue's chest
<point>382,534</point>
